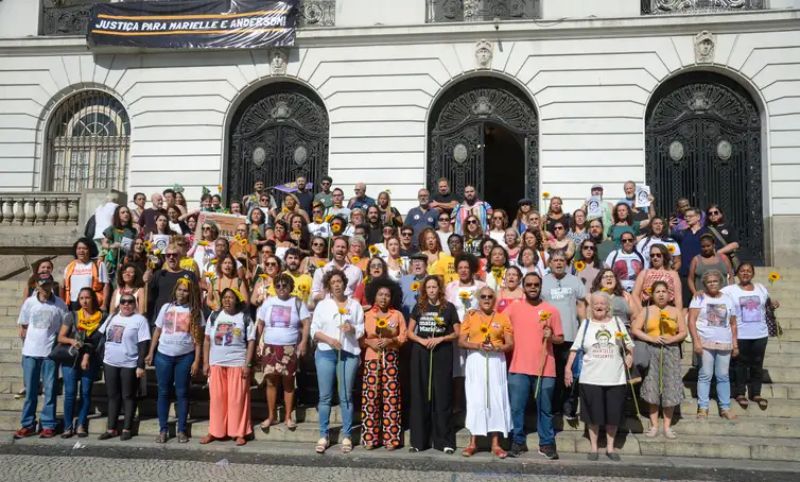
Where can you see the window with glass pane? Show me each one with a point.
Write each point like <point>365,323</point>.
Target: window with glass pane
<point>88,144</point>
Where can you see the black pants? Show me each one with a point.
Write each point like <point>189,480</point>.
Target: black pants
<point>565,399</point>
<point>432,419</point>
<point>120,387</point>
<point>748,367</point>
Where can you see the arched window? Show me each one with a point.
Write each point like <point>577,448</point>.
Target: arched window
<point>88,144</point>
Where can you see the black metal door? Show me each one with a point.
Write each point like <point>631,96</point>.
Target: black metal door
<point>278,132</point>
<point>458,126</point>
<point>704,143</point>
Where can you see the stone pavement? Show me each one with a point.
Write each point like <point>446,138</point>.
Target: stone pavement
<point>140,459</point>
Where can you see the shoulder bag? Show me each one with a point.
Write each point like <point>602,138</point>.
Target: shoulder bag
<point>577,363</point>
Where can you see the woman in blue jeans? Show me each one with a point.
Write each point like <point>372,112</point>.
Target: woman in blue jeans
<point>179,339</point>
<point>712,323</point>
<point>80,329</point>
<point>337,327</point>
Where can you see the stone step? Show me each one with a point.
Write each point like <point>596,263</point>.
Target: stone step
<point>770,391</point>
<point>575,441</point>
<point>772,358</point>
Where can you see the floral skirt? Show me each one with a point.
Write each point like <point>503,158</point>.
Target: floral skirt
<point>668,390</point>
<point>279,360</point>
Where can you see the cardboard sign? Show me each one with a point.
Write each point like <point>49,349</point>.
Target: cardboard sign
<point>225,222</point>
<point>643,196</point>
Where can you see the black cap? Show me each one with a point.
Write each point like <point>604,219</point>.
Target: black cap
<point>524,201</point>
<point>418,257</point>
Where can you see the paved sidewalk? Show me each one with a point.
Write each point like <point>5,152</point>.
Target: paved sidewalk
<point>299,462</point>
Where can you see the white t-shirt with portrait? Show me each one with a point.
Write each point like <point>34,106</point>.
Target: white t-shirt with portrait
<point>282,320</point>
<point>751,313</point>
<point>176,337</point>
<point>714,319</point>
<point>603,362</point>
<point>123,334</point>
<point>228,337</point>
<point>82,277</point>
<point>43,320</point>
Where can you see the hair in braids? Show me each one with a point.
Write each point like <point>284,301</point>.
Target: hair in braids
<point>195,308</point>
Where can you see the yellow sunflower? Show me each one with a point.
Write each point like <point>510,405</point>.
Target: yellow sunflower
<point>203,243</point>
<point>381,323</point>
<point>439,320</point>
<point>329,218</point>
<point>336,229</point>
<point>671,248</point>
<point>546,195</point>
<point>373,250</point>
<point>415,286</point>
<point>342,311</point>
<point>464,295</point>
<point>774,276</point>
<point>321,263</point>
<point>544,315</point>
<point>210,275</point>
<point>355,259</point>
<point>579,266</point>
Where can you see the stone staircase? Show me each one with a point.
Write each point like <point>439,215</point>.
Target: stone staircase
<point>773,434</point>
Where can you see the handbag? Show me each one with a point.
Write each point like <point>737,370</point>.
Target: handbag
<point>577,363</point>
<point>64,355</point>
<point>773,327</point>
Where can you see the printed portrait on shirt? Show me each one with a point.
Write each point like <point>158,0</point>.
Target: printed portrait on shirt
<point>115,333</point>
<point>175,322</point>
<point>280,316</point>
<point>224,334</point>
<point>603,348</point>
<point>750,307</point>
<point>717,315</point>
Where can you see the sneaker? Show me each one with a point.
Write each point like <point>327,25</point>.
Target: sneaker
<point>24,432</point>
<point>449,450</point>
<point>518,449</point>
<point>592,456</point>
<point>613,456</point>
<point>182,438</point>
<point>571,417</point>
<point>549,452</point>
<point>47,433</point>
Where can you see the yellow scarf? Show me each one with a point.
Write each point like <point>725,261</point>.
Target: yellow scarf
<point>89,323</point>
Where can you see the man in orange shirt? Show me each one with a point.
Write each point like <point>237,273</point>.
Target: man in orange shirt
<point>536,327</point>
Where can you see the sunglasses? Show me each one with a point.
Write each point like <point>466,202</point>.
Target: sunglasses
<point>406,234</point>
<point>532,285</point>
<point>318,244</point>
<point>171,255</point>
<point>558,228</point>
<point>444,219</point>
<point>281,285</point>
<point>206,228</point>
<point>714,213</point>
<point>487,297</point>
<point>496,218</point>
<point>627,240</point>
<point>472,221</point>
<point>127,301</point>
<point>656,255</point>
<point>270,264</point>
<point>590,248</point>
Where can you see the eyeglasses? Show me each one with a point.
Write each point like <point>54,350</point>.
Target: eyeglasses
<point>206,228</point>
<point>281,284</point>
<point>127,301</point>
<point>714,213</point>
<point>590,248</point>
<point>532,285</point>
<point>558,228</point>
<point>318,245</point>
<point>498,218</point>
<point>406,234</point>
<point>171,255</point>
<point>487,297</point>
<point>444,219</point>
<point>270,264</point>
<point>656,255</point>
<point>627,240</point>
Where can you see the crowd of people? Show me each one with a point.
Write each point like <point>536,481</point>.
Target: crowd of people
<point>455,308</point>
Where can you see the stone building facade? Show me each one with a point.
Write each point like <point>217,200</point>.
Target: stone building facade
<point>693,97</point>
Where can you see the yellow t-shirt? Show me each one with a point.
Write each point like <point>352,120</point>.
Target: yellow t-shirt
<point>445,267</point>
<point>479,325</point>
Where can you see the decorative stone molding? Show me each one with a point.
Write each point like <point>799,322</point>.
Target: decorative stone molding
<point>278,59</point>
<point>658,7</point>
<point>317,13</point>
<point>45,209</point>
<point>481,10</point>
<point>704,47</point>
<point>484,51</point>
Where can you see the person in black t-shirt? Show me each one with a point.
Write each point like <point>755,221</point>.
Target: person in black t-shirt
<point>305,197</point>
<point>164,280</point>
<point>444,200</point>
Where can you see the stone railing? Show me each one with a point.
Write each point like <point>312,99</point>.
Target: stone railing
<point>71,17</point>
<point>42,209</point>
<point>439,11</point>
<point>661,7</point>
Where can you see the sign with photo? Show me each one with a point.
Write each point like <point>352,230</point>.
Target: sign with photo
<point>225,222</point>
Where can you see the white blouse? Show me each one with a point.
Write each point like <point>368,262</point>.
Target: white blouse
<point>327,320</point>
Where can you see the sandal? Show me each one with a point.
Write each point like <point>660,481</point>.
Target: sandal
<point>727,414</point>
<point>68,433</point>
<point>668,433</point>
<point>265,425</point>
<point>499,453</point>
<point>240,441</point>
<point>207,439</point>
<point>742,401</point>
<point>763,403</point>
<point>653,432</point>
<point>290,425</point>
<point>702,413</point>
<point>322,445</point>
<point>347,445</point>
<point>469,451</point>
<point>390,448</point>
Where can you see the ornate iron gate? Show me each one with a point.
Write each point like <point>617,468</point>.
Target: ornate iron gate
<point>704,143</point>
<point>279,131</point>
<point>458,129</point>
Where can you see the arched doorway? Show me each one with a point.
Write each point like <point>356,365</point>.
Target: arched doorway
<point>484,131</point>
<point>278,131</point>
<point>703,137</point>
